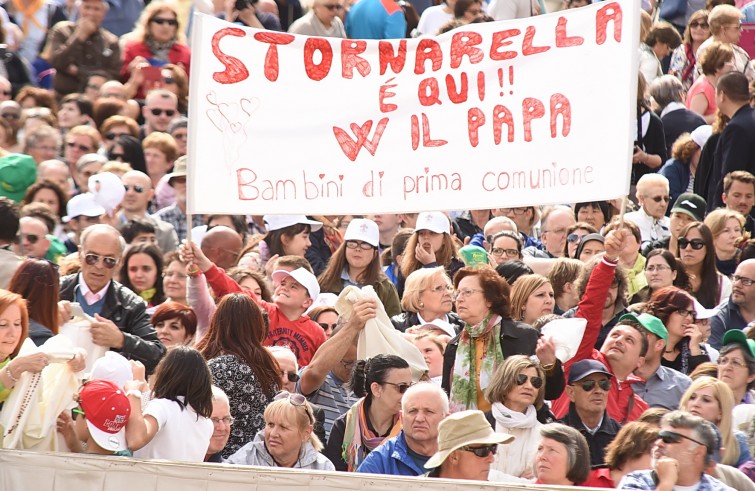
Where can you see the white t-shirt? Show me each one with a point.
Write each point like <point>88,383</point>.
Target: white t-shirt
<point>181,436</point>
<point>432,19</point>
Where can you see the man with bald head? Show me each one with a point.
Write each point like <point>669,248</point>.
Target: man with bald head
<point>33,239</point>
<point>423,407</point>
<point>222,246</point>
<point>139,192</point>
<point>554,224</point>
<point>496,225</point>
<point>740,309</point>
<point>56,171</point>
<point>122,323</point>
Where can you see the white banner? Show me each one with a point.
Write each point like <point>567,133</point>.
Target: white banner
<point>533,111</point>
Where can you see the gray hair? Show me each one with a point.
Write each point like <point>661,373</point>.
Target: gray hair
<point>219,395</point>
<point>665,90</point>
<point>283,350</point>
<point>704,431</point>
<point>578,453</point>
<point>725,350</point>
<point>41,133</point>
<point>431,388</point>
<point>102,227</point>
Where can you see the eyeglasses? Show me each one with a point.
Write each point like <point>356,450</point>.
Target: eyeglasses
<point>738,27</point>
<point>589,385</point>
<point>535,381</point>
<point>83,148</point>
<point>702,25</point>
<point>742,279</point>
<point>497,251</point>
<point>137,188</point>
<point>348,364</point>
<point>158,112</point>
<point>659,267</point>
<point>674,437</point>
<point>696,244</point>
<point>441,289</point>
<point>401,387</point>
<point>113,136</point>
<point>687,313</point>
<point>465,292</point>
<point>658,199</point>
<point>162,22</point>
<point>735,362</point>
<point>325,326</point>
<point>481,452</point>
<point>292,376</point>
<point>358,244</point>
<point>32,238</point>
<point>515,211</point>
<point>295,399</point>
<point>108,261</point>
<point>333,8</point>
<point>78,411</point>
<point>572,238</point>
<point>10,116</point>
<point>227,420</point>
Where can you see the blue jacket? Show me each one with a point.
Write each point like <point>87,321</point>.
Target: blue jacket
<point>391,458</point>
<point>678,175</point>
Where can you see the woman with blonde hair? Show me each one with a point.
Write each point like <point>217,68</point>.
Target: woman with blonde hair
<point>726,28</point>
<point>713,400</point>
<point>531,297</point>
<point>288,439</point>
<point>427,298</point>
<point>683,58</point>
<point>517,395</point>
<point>157,36</point>
<point>715,61</point>
<point>728,229</point>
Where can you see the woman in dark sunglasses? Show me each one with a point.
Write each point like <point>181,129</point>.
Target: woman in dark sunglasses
<point>574,236</point>
<point>129,150</point>
<point>380,382</point>
<point>157,37</point>
<point>684,348</point>
<point>697,252</point>
<point>517,393</point>
<point>288,439</point>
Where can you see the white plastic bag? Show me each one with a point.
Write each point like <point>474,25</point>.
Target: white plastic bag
<point>77,329</point>
<point>566,334</point>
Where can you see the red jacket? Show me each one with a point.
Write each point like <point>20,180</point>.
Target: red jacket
<point>303,336</point>
<point>179,54</point>
<point>623,404</point>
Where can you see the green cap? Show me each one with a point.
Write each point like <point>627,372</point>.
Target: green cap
<point>735,336</point>
<point>649,322</point>
<point>17,172</point>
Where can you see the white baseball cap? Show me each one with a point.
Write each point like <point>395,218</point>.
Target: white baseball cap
<point>701,134</point>
<point>83,204</point>
<point>277,222</point>
<point>434,221</point>
<point>363,229</point>
<point>113,367</point>
<point>304,277</point>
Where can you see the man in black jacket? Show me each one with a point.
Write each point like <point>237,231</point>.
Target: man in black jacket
<point>121,323</point>
<point>589,383</point>
<point>736,147</point>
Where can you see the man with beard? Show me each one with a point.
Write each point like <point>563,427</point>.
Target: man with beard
<point>740,309</point>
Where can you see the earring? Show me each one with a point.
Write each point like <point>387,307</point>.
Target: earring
<point>422,305</point>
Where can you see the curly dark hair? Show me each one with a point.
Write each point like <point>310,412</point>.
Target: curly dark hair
<point>495,289</point>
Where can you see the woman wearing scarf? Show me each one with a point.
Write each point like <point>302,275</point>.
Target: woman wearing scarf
<point>156,41</point>
<point>380,382</point>
<point>517,393</point>
<point>488,338</point>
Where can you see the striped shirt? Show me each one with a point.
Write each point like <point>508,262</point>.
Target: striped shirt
<point>333,396</point>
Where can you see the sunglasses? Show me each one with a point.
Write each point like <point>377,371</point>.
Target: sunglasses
<point>32,238</point>
<point>113,136</point>
<point>292,376</point>
<point>137,188</point>
<point>481,452</point>
<point>535,381</point>
<point>162,22</point>
<point>108,261</point>
<point>572,238</point>
<point>333,8</point>
<point>658,199</point>
<point>589,385</point>
<point>401,388</point>
<point>83,148</point>
<point>703,25</point>
<point>674,437</point>
<point>696,244</point>
<point>158,112</point>
<point>325,326</point>
<point>10,116</point>
<point>295,399</point>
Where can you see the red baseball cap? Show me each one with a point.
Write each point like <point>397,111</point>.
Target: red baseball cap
<point>106,409</point>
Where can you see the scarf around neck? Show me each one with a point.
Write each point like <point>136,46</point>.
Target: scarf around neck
<point>358,439</point>
<point>464,380</point>
<point>159,50</point>
<point>514,419</point>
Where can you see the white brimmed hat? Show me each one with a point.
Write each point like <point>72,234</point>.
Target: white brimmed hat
<point>702,313</point>
<point>462,429</point>
<point>363,229</point>
<point>441,325</point>
<point>277,222</point>
<point>307,280</point>
<point>434,221</point>
<point>83,205</point>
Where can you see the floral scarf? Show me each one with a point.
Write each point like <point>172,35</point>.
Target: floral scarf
<point>464,378</point>
<point>358,439</point>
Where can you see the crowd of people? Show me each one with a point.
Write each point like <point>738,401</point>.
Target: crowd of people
<point>235,339</point>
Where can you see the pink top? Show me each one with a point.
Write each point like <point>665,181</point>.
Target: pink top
<point>702,86</point>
